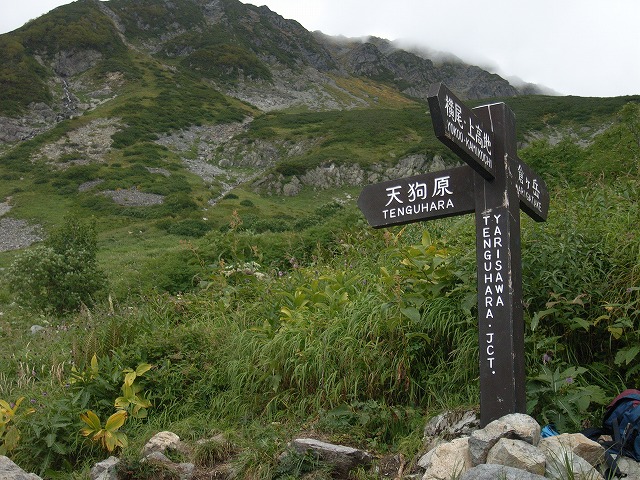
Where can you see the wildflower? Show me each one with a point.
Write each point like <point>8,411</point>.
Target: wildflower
<point>569,380</point>
<point>547,357</point>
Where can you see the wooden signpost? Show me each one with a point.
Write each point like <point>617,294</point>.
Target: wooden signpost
<point>495,185</point>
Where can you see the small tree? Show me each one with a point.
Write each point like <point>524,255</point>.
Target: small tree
<point>61,274</point>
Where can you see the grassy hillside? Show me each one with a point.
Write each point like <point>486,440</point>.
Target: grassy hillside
<point>364,333</point>
<point>260,316</point>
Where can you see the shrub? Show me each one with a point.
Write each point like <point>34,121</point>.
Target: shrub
<point>189,228</point>
<point>60,275</point>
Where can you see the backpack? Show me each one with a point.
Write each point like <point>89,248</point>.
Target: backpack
<point>622,421</point>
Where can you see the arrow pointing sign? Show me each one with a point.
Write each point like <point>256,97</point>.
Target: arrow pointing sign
<point>532,190</point>
<point>461,130</point>
<point>421,197</point>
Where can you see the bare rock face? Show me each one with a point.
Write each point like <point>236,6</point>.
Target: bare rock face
<point>72,62</point>
<point>17,233</point>
<point>39,118</point>
<point>132,197</point>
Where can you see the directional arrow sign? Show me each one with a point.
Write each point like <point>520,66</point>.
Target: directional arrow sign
<point>460,129</point>
<point>495,185</point>
<point>531,188</point>
<point>422,197</point>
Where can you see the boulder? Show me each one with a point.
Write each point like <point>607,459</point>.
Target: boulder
<point>11,471</point>
<point>563,464</point>
<point>451,424</point>
<point>447,460</point>
<point>517,454</point>
<point>161,442</point>
<point>499,472</point>
<point>342,458</point>
<point>105,470</point>
<point>585,448</point>
<point>515,426</point>
<point>36,329</point>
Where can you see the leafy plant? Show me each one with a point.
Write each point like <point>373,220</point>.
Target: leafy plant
<point>9,433</point>
<point>108,436</point>
<point>131,400</point>
<point>130,403</point>
<point>559,396</point>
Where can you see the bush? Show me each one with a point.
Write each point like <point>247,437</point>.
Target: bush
<point>189,227</point>
<point>60,275</point>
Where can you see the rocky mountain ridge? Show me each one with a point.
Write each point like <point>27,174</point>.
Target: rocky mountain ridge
<point>85,50</point>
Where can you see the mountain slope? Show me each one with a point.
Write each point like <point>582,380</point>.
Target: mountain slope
<point>146,114</point>
<point>234,45</point>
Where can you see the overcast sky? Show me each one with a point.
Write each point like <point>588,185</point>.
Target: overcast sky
<point>575,47</point>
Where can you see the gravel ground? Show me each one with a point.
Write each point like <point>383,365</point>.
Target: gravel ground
<point>15,234</point>
<point>132,197</point>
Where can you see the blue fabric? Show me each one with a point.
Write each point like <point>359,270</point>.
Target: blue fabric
<point>623,419</point>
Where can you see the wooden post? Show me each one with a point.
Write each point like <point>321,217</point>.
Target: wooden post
<point>496,184</point>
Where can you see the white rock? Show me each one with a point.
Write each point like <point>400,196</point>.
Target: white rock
<point>448,460</point>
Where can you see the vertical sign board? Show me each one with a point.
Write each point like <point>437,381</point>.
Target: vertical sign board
<point>500,322</point>
<point>495,185</point>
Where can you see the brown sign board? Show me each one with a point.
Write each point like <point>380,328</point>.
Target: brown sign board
<point>461,130</point>
<point>421,197</point>
<point>531,188</point>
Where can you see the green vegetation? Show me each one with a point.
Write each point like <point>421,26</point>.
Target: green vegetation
<point>145,18</point>
<point>365,137</point>
<point>22,79</point>
<point>177,102</point>
<point>78,26</point>
<point>227,62</point>
<point>81,25</point>
<point>61,274</point>
<point>263,316</point>
<point>360,333</point>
